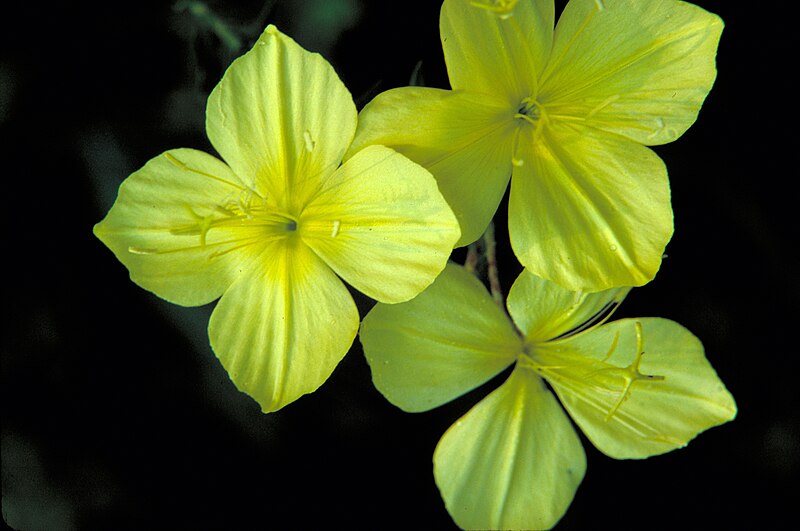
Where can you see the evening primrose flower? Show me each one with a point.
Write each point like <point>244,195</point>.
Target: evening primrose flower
<point>269,229</point>
<point>568,113</point>
<point>636,388</point>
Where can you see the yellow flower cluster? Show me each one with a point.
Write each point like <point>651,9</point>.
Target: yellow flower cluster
<point>305,192</point>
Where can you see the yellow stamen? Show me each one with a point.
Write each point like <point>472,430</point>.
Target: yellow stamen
<point>631,373</point>
<point>309,140</point>
<point>531,111</point>
<point>602,105</point>
<point>142,250</point>
<point>501,8</point>
<point>579,374</point>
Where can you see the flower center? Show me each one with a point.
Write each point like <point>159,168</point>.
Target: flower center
<point>530,110</point>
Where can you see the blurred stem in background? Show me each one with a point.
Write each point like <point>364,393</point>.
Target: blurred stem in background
<point>484,252</point>
<point>316,24</point>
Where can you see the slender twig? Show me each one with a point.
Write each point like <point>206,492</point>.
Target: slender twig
<point>491,264</point>
<point>471,262</point>
<point>210,21</point>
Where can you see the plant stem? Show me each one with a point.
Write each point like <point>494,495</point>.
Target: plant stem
<point>471,262</point>
<point>491,265</point>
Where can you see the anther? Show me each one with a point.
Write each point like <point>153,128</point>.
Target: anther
<point>501,8</point>
<point>142,250</point>
<point>244,201</point>
<point>309,140</point>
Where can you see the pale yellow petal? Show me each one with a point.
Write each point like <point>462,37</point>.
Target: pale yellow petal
<point>173,230</point>
<point>543,310</point>
<point>638,69</point>
<point>589,210</point>
<point>282,328</point>
<point>464,139</point>
<point>448,340</point>
<point>637,387</point>
<point>497,51</point>
<point>282,119</point>
<point>512,462</point>
<point>382,225</point>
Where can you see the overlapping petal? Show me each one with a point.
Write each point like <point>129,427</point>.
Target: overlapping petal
<point>283,326</point>
<point>635,397</point>
<point>512,462</point>
<point>164,226</point>
<point>496,52</point>
<point>381,223</point>
<point>589,210</point>
<point>639,69</point>
<point>448,340</point>
<point>282,119</point>
<point>543,310</point>
<point>464,139</point>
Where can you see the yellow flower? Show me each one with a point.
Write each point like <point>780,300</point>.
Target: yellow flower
<point>568,113</point>
<point>635,387</point>
<point>271,227</point>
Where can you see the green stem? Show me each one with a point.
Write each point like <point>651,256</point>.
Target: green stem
<point>471,262</point>
<point>208,20</point>
<point>491,265</point>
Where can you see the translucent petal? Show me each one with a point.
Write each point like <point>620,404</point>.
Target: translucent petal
<point>637,394</point>
<point>639,69</point>
<point>544,310</point>
<point>513,461</point>
<point>589,210</point>
<point>168,226</point>
<point>448,340</point>
<point>382,225</point>
<point>282,119</point>
<point>282,328</point>
<point>492,52</point>
<point>464,139</point>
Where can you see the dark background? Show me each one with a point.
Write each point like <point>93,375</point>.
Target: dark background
<point>116,414</point>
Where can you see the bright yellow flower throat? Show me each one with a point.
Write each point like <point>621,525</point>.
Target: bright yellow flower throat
<point>247,217</point>
<point>531,111</point>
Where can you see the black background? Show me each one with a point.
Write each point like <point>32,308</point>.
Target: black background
<point>116,414</point>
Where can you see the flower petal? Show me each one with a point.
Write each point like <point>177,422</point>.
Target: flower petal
<point>382,225</point>
<point>639,69</point>
<point>512,462</point>
<point>637,393</point>
<point>464,139</point>
<point>589,210</point>
<point>160,227</point>
<point>544,310</point>
<point>448,340</point>
<point>493,53</point>
<point>282,328</point>
<point>282,119</point>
